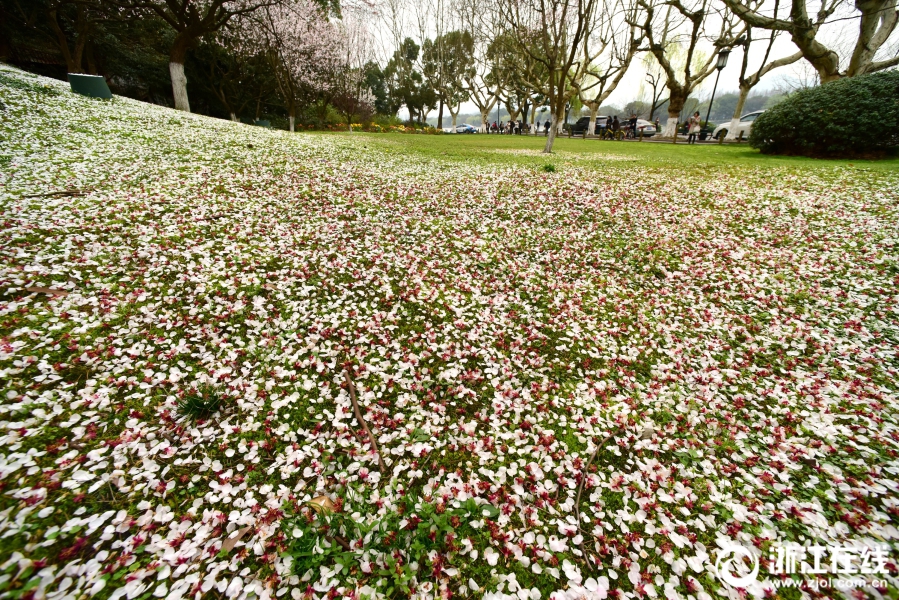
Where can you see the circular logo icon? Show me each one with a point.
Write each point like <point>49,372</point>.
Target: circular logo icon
<point>737,566</point>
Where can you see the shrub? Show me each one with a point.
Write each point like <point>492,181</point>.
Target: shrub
<point>851,117</point>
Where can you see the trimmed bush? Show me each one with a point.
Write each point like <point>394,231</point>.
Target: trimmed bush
<point>852,117</point>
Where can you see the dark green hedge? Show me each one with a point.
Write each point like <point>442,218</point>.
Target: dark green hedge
<point>851,117</point>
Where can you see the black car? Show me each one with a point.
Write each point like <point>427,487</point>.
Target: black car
<point>584,122</point>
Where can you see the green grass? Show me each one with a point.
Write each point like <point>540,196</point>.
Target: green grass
<point>189,233</point>
<point>527,151</point>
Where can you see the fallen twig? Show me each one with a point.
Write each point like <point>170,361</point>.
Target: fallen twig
<point>371,438</point>
<point>69,192</point>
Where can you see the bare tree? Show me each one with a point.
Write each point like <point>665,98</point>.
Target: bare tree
<point>655,80</point>
<point>518,72</point>
<point>352,98</point>
<point>669,24</point>
<point>552,33</point>
<point>608,52</point>
<point>747,82</point>
<point>483,86</point>
<point>191,20</point>
<point>877,23</point>
<point>431,17</point>
<point>483,81</point>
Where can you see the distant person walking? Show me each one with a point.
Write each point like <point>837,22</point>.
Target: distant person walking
<point>633,124</point>
<point>546,128</point>
<point>616,125</point>
<point>695,127</point>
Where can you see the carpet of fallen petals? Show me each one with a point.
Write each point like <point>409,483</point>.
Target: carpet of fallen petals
<point>579,386</point>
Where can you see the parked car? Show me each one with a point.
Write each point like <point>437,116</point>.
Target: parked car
<point>466,128</point>
<point>584,122</point>
<point>648,128</point>
<point>743,126</point>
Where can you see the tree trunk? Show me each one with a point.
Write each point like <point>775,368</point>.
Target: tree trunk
<point>485,115</point>
<point>878,21</point>
<point>675,106</point>
<point>63,44</point>
<point>741,102</point>
<point>551,137</point>
<point>825,61</point>
<point>82,27</point>
<point>234,118</point>
<point>440,116</point>
<point>177,56</point>
<point>454,118</point>
<point>594,109</point>
<point>89,57</point>
<point>179,86</point>
<point>291,116</point>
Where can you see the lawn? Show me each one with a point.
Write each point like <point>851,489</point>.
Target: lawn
<point>581,381</point>
<point>525,151</point>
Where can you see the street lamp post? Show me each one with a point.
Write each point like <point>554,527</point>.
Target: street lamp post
<point>722,62</point>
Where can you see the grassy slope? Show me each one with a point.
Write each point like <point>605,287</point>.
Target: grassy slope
<point>730,321</point>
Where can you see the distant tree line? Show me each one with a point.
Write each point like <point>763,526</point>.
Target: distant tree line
<point>315,61</point>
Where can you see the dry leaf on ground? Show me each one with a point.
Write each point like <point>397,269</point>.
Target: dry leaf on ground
<point>322,505</point>
<point>46,290</point>
<point>232,540</point>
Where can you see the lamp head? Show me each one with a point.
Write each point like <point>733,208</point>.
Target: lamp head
<point>722,58</point>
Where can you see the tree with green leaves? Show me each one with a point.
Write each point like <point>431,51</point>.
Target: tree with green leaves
<point>191,20</point>
<point>376,81</point>
<point>448,61</point>
<point>405,83</point>
<point>236,71</point>
<point>69,25</point>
